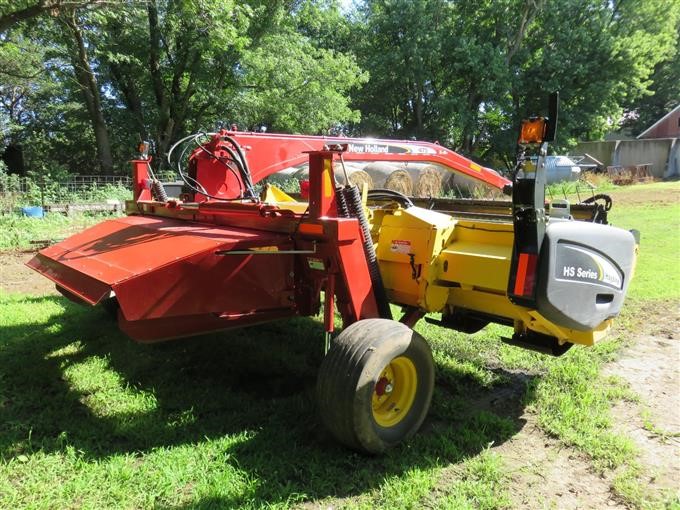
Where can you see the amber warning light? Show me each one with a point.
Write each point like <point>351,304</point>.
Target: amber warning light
<point>143,149</point>
<point>533,131</point>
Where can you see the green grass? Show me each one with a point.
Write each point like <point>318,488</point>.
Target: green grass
<point>572,399</point>
<point>20,233</point>
<point>657,274</point>
<point>89,419</point>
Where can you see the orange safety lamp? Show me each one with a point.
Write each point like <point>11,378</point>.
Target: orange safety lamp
<point>533,130</point>
<point>143,149</point>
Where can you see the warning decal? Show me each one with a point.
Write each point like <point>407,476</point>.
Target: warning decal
<point>400,246</point>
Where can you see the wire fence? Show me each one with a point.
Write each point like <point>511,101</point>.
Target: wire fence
<point>74,184</point>
<point>17,192</point>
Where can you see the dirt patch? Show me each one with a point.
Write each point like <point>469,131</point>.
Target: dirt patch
<point>641,195</point>
<point>15,277</point>
<point>545,474</point>
<point>660,319</point>
<point>651,368</point>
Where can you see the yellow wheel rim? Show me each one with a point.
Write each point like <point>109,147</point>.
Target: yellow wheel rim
<point>394,392</point>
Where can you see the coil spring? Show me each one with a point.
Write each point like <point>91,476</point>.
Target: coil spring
<point>158,191</point>
<point>350,206</point>
<point>341,201</point>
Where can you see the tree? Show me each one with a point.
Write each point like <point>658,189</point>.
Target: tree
<point>90,88</point>
<point>601,62</point>
<point>441,70</point>
<point>164,68</point>
<point>295,87</point>
<point>663,93</point>
<point>21,80</point>
<point>400,45</point>
<point>13,12</point>
<point>465,73</point>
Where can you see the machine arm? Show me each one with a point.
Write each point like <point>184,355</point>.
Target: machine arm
<point>269,153</point>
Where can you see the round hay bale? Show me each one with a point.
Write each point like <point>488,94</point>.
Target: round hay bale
<point>400,181</point>
<point>350,168</point>
<point>413,169</point>
<point>464,186</point>
<point>429,183</point>
<point>359,178</point>
<point>379,172</point>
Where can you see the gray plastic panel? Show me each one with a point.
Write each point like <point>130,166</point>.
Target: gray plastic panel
<point>584,271</point>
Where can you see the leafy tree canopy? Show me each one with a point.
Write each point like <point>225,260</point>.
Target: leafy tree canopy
<point>81,81</point>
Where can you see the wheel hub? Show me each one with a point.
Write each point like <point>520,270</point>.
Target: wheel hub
<point>394,392</point>
<point>383,386</point>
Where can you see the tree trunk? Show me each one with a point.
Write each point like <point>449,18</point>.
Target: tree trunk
<point>172,101</point>
<point>133,101</point>
<point>90,89</point>
<point>164,124</point>
<point>529,12</point>
<point>419,111</point>
<point>471,125</point>
<point>12,18</point>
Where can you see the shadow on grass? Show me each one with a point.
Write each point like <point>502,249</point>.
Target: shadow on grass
<point>256,383</point>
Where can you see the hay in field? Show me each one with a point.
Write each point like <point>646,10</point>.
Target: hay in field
<point>413,169</point>
<point>350,168</point>
<point>400,181</point>
<point>428,183</point>
<point>303,173</point>
<point>359,178</point>
<point>379,172</point>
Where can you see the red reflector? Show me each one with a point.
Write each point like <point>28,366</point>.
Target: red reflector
<point>304,189</point>
<point>310,229</point>
<point>526,274</point>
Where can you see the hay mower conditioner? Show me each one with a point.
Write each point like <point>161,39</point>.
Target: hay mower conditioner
<point>221,256</point>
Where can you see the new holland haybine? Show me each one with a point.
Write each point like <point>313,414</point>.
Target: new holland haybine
<point>225,254</point>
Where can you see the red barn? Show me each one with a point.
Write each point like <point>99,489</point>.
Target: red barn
<point>667,126</point>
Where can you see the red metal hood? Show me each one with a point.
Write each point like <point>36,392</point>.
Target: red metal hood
<point>160,267</point>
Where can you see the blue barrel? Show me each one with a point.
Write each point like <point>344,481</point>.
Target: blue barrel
<point>33,211</point>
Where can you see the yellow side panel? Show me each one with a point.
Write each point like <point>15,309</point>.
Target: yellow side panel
<point>500,305</point>
<point>407,247</point>
<point>476,264</point>
<point>400,287</point>
<point>458,263</point>
<point>478,256</point>
<point>486,302</point>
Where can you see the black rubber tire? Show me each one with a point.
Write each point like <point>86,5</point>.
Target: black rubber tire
<point>348,376</point>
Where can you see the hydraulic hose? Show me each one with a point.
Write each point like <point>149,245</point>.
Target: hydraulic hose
<point>350,206</point>
<point>236,155</point>
<point>388,194</point>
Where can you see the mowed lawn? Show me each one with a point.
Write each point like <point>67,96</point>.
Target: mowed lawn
<point>89,419</point>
